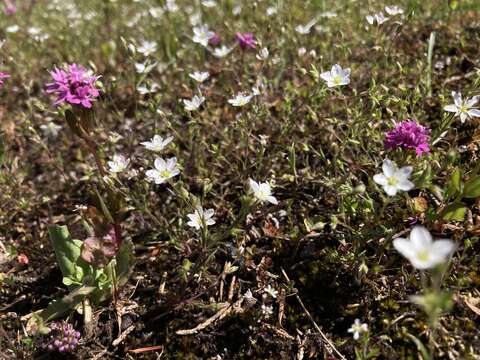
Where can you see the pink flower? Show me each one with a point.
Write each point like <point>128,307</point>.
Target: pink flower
<point>215,40</point>
<point>246,40</point>
<point>73,85</point>
<point>3,76</point>
<point>10,7</point>
<point>409,135</point>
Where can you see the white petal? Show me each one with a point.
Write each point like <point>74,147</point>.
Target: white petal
<point>272,200</point>
<point>380,179</point>
<point>404,247</point>
<point>254,186</point>
<point>457,98</point>
<point>472,101</point>
<point>327,76</point>
<point>443,248</point>
<point>405,185</point>
<point>404,172</point>
<point>390,190</point>
<point>160,164</point>
<point>463,117</point>
<point>209,213</point>
<point>451,108</point>
<point>474,112</point>
<point>420,237</point>
<point>389,168</point>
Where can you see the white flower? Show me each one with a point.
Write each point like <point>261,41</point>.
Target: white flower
<point>241,99</point>
<point>118,164</point>
<point>51,129</point>
<point>163,170</point>
<point>171,5</point>
<point>201,217</point>
<point>271,291</point>
<point>464,108</point>
<point>393,10</point>
<point>421,250</point>
<point>267,310</point>
<point>394,179</point>
<point>147,48</point>
<point>357,329</point>
<point>12,29</point>
<point>222,51</point>
<point>305,29</point>
<point>157,143</point>
<point>336,76</point>
<point>263,54</point>
<point>379,18</point>
<point>237,9</point>
<point>272,10</point>
<point>156,12</point>
<point>209,3</point>
<point>194,104</point>
<point>329,14</point>
<point>140,67</point>
<point>199,76</point>
<point>201,35</point>
<point>302,51</point>
<point>262,192</point>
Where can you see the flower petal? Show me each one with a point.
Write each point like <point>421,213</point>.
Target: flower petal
<point>420,237</point>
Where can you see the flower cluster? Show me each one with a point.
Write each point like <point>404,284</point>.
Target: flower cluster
<point>3,75</point>
<point>409,135</point>
<point>62,337</point>
<point>74,85</point>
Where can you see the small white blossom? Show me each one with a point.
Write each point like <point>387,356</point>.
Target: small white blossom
<point>199,76</point>
<point>328,14</point>
<point>171,5</point>
<point>378,18</point>
<point>464,108</point>
<point>271,291</point>
<point>222,51</point>
<point>305,29</point>
<point>209,3</point>
<point>358,329</point>
<point>262,192</point>
<point>237,9</point>
<point>201,217</point>
<point>302,51</point>
<point>157,143</point>
<point>118,164</point>
<point>421,250</point>
<point>267,310</point>
<point>263,54</point>
<point>194,104</point>
<point>51,129</point>
<point>336,76</point>
<point>156,12</point>
<point>272,10</point>
<point>394,179</point>
<point>163,170</point>
<point>147,48</point>
<point>240,99</point>
<point>201,35</point>
<point>393,10</point>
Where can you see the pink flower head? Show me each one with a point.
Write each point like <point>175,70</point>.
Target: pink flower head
<point>10,7</point>
<point>409,135</point>
<point>74,85</point>
<point>215,40</point>
<point>246,40</point>
<point>3,76</point>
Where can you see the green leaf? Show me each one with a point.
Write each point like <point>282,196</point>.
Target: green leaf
<point>423,350</point>
<point>472,188</point>
<point>67,251</point>
<point>2,151</point>
<point>454,212</point>
<point>456,180</point>
<point>61,306</point>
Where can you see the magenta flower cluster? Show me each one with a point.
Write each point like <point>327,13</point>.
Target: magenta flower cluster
<point>3,76</point>
<point>409,135</point>
<point>246,40</point>
<point>74,85</point>
<point>63,337</point>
